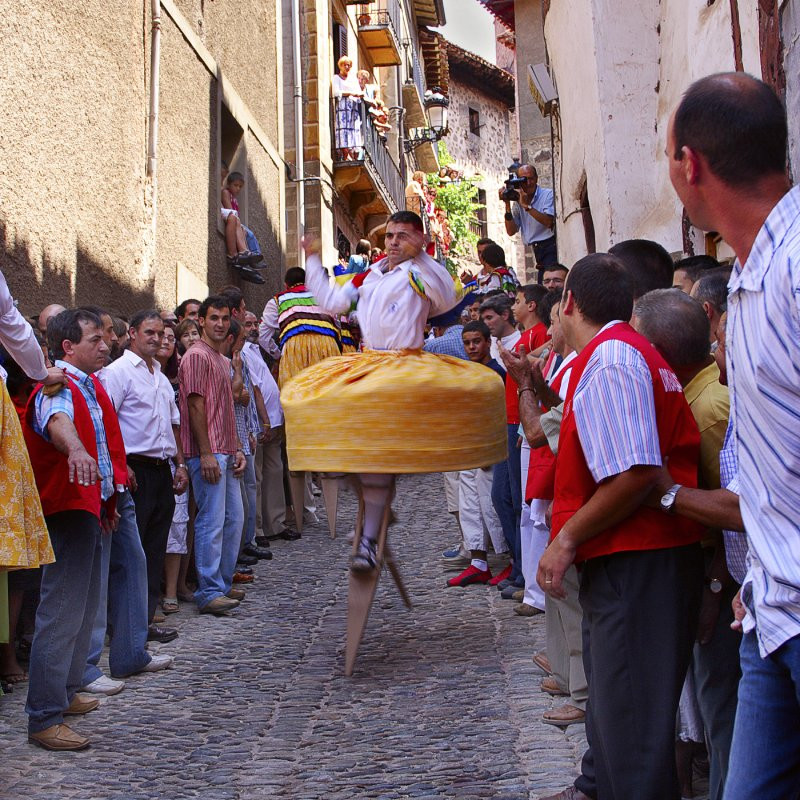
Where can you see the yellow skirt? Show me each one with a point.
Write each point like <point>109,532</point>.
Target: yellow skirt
<point>395,412</point>
<point>302,351</point>
<point>24,541</point>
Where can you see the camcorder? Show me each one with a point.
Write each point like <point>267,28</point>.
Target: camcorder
<point>513,183</point>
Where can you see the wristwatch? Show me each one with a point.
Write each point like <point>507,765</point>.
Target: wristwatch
<point>668,500</point>
<point>714,585</point>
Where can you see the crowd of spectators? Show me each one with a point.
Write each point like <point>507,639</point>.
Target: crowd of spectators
<point>646,509</point>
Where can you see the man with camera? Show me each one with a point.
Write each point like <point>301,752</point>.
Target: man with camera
<point>530,209</point>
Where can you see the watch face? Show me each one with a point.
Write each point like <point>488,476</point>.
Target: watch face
<point>715,585</point>
<point>667,500</point>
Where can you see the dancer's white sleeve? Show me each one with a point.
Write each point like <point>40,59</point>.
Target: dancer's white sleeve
<point>329,295</point>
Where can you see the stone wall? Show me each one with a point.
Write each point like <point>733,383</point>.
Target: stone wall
<point>488,154</point>
<point>614,105</point>
<point>81,220</point>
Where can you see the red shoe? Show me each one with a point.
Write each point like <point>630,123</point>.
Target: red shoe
<point>238,577</point>
<point>501,576</point>
<point>471,575</point>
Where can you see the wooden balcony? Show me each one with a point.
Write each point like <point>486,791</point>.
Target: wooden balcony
<point>379,31</point>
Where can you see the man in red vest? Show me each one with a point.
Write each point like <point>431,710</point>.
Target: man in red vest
<point>78,458</point>
<point>641,569</point>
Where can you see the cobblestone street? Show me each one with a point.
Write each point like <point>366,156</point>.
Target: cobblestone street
<point>444,701</point>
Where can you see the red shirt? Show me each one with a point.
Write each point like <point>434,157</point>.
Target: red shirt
<point>646,528</point>
<point>206,372</point>
<point>533,338</point>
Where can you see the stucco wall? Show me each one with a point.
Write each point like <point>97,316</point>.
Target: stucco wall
<point>488,154</point>
<point>75,201</point>
<point>615,102</point>
<point>790,30</point>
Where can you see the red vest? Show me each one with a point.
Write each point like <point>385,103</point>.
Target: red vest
<point>646,528</point>
<point>542,465</point>
<point>50,466</point>
<point>532,339</point>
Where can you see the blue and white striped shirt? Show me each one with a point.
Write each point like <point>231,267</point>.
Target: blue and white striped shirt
<point>735,541</point>
<point>615,411</point>
<point>763,352</point>
<point>61,403</point>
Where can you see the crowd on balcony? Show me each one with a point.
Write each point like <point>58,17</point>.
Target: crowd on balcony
<point>646,504</point>
<point>357,104</point>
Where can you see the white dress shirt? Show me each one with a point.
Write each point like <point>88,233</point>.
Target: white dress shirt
<point>391,314</point>
<point>17,336</point>
<point>262,377</point>
<point>268,328</point>
<point>145,405</point>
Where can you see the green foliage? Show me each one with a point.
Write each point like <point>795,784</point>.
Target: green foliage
<point>458,201</point>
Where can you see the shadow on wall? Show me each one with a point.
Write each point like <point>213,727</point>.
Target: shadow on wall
<point>258,220</point>
<point>94,283</point>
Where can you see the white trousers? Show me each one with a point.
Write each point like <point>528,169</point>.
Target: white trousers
<point>534,535</point>
<point>479,521</point>
<point>451,491</point>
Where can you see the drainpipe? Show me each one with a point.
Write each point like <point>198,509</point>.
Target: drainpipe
<point>155,59</point>
<point>298,130</point>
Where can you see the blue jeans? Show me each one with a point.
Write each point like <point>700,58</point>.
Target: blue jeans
<point>123,594</point>
<point>765,754</point>
<point>217,529</point>
<point>70,593</point>
<point>249,500</point>
<point>507,501</point>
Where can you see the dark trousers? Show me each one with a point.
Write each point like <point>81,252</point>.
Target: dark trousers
<point>640,614</point>
<point>507,501</point>
<point>546,253</point>
<point>716,674</point>
<point>155,505</point>
<point>70,594</point>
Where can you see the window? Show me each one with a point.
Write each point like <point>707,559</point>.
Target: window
<point>474,122</point>
<point>339,43</point>
<point>480,227</point>
<point>233,151</point>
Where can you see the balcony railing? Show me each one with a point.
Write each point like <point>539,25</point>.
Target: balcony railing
<point>374,155</point>
<point>416,76</point>
<point>379,30</point>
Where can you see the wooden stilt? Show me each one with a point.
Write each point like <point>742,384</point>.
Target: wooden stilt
<point>297,485</point>
<point>364,584</point>
<point>330,491</point>
<point>391,564</point>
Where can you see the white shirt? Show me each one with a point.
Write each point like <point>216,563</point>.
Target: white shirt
<point>763,352</point>
<point>391,314</point>
<point>507,341</point>
<point>262,377</point>
<point>267,329</point>
<point>145,404</point>
<point>17,336</point>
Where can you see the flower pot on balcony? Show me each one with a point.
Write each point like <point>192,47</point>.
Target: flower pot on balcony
<point>364,20</point>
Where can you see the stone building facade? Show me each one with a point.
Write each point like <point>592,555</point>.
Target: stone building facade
<point>482,141</point>
<point>344,201</point>
<point>614,102</point>
<point>88,214</point>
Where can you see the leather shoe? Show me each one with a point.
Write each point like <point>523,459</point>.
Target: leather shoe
<point>564,715</point>
<point>236,594</point>
<point>247,561</point>
<point>262,541</point>
<point>243,570</point>
<point>550,685</point>
<point>261,553</point>
<point>289,535</point>
<point>526,610</point>
<point>543,662</point>
<point>570,793</point>
<point>219,605</point>
<point>157,634</point>
<point>59,737</point>
<point>240,577</point>
<point>81,704</point>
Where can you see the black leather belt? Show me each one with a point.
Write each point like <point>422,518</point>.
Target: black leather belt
<point>153,462</point>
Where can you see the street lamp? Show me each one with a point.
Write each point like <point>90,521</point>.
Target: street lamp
<point>436,104</point>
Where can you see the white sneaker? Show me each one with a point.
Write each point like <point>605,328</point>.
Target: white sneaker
<point>104,685</point>
<point>158,662</point>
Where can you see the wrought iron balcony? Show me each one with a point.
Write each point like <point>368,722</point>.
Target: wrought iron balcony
<point>369,156</point>
<point>379,31</point>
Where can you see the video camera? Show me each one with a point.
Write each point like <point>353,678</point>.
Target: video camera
<point>513,183</point>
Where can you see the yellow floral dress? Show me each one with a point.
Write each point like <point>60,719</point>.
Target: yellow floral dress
<point>24,541</point>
